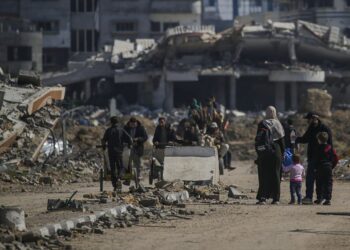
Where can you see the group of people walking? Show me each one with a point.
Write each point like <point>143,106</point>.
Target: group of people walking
<point>270,144</point>
<point>115,138</point>
<point>203,122</point>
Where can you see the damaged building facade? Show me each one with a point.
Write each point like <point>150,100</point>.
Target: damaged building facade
<point>246,68</point>
<point>20,46</point>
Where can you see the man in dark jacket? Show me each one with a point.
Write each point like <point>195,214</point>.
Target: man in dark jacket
<point>163,134</point>
<point>310,137</point>
<point>290,134</point>
<point>190,136</point>
<point>114,139</point>
<point>139,136</point>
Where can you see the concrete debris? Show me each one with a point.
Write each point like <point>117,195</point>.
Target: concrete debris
<point>235,193</point>
<point>29,240</point>
<point>174,197</point>
<point>28,116</point>
<point>28,77</point>
<point>318,101</point>
<point>68,204</point>
<point>12,217</point>
<point>149,202</point>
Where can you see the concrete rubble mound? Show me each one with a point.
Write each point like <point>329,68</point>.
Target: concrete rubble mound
<point>27,117</point>
<point>317,100</point>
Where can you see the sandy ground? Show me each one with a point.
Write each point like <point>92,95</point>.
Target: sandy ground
<point>245,226</point>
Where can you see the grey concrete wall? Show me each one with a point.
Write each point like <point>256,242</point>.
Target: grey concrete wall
<point>112,11</point>
<point>47,11</point>
<point>83,21</point>
<point>9,7</point>
<point>31,39</point>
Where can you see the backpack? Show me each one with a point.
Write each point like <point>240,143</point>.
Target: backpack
<point>287,157</point>
<point>264,145</point>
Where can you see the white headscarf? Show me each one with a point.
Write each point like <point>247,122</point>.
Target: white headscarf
<point>273,123</point>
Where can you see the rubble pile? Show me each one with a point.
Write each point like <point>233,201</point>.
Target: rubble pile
<point>28,240</point>
<point>317,100</point>
<point>342,171</point>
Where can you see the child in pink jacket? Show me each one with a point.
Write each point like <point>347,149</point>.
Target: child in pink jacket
<point>297,173</point>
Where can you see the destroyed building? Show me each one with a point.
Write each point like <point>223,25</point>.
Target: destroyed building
<point>246,68</point>
<point>27,117</point>
<point>20,46</point>
<point>81,28</point>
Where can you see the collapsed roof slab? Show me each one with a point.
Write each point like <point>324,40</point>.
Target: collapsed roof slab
<point>24,101</point>
<point>181,76</point>
<point>124,76</point>
<point>42,98</point>
<point>296,76</point>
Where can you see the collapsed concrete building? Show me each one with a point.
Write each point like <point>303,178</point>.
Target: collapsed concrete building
<point>27,118</point>
<point>246,68</point>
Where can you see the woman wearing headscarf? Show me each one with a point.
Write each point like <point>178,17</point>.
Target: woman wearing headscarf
<point>270,161</point>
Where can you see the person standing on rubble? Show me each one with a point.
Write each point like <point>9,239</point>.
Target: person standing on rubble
<point>114,140</point>
<point>139,136</point>
<point>310,137</point>
<point>269,145</point>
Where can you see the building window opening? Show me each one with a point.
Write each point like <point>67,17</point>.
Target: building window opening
<point>125,27</point>
<point>21,53</point>
<point>212,3</point>
<point>325,3</point>
<point>47,26</point>
<point>169,25</point>
<point>155,27</point>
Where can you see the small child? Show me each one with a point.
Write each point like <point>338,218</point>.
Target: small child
<point>327,159</point>
<point>296,171</point>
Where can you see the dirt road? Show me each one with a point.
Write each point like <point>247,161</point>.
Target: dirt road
<point>245,226</point>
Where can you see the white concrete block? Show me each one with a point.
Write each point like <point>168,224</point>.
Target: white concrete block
<point>191,164</point>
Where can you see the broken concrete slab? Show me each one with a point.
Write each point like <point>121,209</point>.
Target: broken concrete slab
<point>28,77</point>
<point>149,202</point>
<point>233,192</point>
<point>174,197</point>
<point>43,97</point>
<point>12,217</point>
<point>221,196</point>
<point>191,164</point>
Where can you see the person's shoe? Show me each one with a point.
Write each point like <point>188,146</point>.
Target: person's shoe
<point>307,201</point>
<point>230,168</point>
<point>300,203</point>
<point>291,202</point>
<point>318,201</point>
<point>327,203</point>
<point>261,202</point>
<point>275,203</point>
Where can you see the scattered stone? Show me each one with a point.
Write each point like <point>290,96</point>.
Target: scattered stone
<point>64,232</point>
<point>13,217</point>
<point>235,193</point>
<point>149,202</point>
<point>222,196</point>
<point>47,180</point>
<point>98,231</point>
